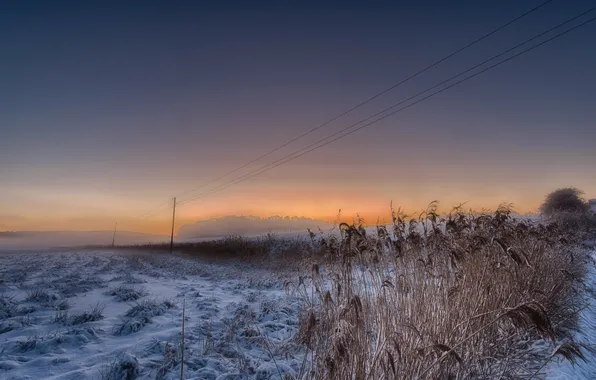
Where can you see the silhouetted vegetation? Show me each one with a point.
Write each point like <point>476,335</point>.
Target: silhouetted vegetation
<point>565,200</point>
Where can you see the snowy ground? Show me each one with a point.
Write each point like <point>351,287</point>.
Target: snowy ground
<point>564,369</point>
<point>103,315</point>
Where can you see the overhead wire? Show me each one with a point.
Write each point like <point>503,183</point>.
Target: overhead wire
<point>323,142</point>
<point>154,211</point>
<point>370,99</point>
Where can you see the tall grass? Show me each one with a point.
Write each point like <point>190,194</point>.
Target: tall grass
<point>467,296</point>
<point>264,250</point>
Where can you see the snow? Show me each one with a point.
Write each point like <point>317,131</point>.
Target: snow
<point>106,314</point>
<point>586,333</point>
<point>117,315</point>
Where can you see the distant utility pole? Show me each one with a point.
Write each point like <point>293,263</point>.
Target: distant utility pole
<point>114,235</point>
<point>173,221</point>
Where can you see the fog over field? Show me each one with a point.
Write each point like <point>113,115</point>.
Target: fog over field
<point>249,225</point>
<point>205,229</point>
<point>23,240</point>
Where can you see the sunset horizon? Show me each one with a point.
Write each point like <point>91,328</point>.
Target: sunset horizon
<point>161,222</point>
<point>106,116</point>
<point>297,190</point>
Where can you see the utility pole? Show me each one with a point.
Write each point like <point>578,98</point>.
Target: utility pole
<point>173,221</point>
<point>114,235</point>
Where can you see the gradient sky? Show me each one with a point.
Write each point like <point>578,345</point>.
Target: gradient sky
<point>106,110</point>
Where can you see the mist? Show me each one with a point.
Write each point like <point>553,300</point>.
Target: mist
<point>10,241</point>
<point>248,225</point>
<point>211,228</point>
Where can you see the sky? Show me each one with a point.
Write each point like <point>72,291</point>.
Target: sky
<point>109,110</point>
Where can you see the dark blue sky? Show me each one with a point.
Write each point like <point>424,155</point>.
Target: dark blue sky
<point>106,110</point>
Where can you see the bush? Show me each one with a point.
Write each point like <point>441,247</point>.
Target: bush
<point>565,200</point>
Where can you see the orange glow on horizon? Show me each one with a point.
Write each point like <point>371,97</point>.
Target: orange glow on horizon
<point>161,224</point>
<point>312,199</point>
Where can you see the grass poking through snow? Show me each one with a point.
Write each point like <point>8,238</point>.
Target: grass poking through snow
<point>94,314</point>
<point>126,293</point>
<point>141,314</point>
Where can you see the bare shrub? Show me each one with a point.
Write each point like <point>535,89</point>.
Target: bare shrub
<point>565,200</point>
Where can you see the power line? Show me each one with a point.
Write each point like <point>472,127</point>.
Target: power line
<point>153,211</point>
<point>322,142</point>
<point>436,63</point>
<point>405,100</point>
<point>407,79</point>
<point>173,223</point>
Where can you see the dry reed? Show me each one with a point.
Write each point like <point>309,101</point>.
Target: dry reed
<point>466,296</point>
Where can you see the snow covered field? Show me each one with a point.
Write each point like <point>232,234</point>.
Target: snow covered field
<point>107,315</point>
<point>117,315</point>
